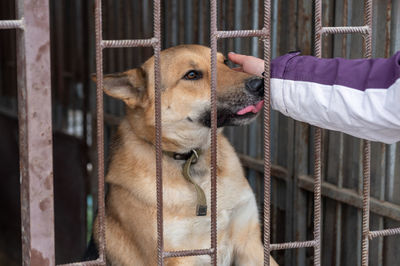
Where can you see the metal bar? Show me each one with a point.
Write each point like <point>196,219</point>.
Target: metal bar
<point>344,30</point>
<point>299,244</point>
<point>317,147</point>
<point>241,33</point>
<point>157,114</point>
<point>349,197</point>
<point>128,43</point>
<point>185,253</point>
<point>12,24</point>
<point>35,137</point>
<point>100,131</point>
<point>366,148</point>
<point>384,232</point>
<point>317,196</point>
<point>267,121</point>
<point>213,43</point>
<point>366,202</point>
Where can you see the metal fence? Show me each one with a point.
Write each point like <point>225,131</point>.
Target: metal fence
<point>293,174</point>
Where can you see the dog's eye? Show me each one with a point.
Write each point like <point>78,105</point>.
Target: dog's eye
<point>193,75</point>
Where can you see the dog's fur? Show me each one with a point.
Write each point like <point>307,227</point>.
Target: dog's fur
<point>131,237</point>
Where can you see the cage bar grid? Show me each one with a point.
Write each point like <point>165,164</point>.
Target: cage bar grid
<point>37,102</point>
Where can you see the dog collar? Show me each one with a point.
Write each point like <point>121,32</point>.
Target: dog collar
<point>192,158</point>
<point>182,156</point>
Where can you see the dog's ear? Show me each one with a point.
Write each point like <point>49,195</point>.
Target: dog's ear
<point>128,86</point>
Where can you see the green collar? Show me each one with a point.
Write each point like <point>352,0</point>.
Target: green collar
<point>192,158</point>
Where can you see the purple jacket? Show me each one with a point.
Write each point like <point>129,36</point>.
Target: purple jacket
<point>360,97</point>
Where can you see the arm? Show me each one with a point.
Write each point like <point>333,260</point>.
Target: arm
<point>359,97</point>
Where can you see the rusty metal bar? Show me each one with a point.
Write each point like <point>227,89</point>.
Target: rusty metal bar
<point>345,30</point>
<point>100,131</point>
<point>317,147</point>
<point>11,24</point>
<point>215,34</point>
<point>366,147</point>
<point>267,127</point>
<point>384,232</point>
<point>213,42</point>
<point>185,253</point>
<point>289,245</point>
<point>128,43</point>
<point>35,137</point>
<point>241,33</point>
<point>157,114</point>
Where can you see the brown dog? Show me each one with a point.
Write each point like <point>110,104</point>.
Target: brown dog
<point>131,201</point>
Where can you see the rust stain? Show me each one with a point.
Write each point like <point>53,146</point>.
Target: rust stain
<point>44,204</point>
<point>47,183</point>
<point>38,259</point>
<point>43,50</point>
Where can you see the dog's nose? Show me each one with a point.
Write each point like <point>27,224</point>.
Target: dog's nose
<point>255,86</point>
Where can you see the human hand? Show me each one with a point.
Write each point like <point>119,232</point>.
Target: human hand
<point>249,64</point>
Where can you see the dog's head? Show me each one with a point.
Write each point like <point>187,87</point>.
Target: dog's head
<point>185,100</point>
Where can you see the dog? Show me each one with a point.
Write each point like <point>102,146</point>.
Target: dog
<point>131,231</point>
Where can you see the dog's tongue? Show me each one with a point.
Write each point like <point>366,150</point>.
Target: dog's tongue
<point>251,108</point>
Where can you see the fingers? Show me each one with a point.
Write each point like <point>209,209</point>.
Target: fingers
<point>237,58</point>
<point>248,64</point>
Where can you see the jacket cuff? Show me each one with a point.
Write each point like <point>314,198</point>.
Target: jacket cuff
<point>279,64</point>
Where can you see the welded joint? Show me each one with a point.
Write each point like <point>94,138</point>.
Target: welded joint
<point>368,32</point>
<point>216,35</point>
<point>266,35</point>
<point>155,42</point>
<point>371,236</point>
<point>21,25</point>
